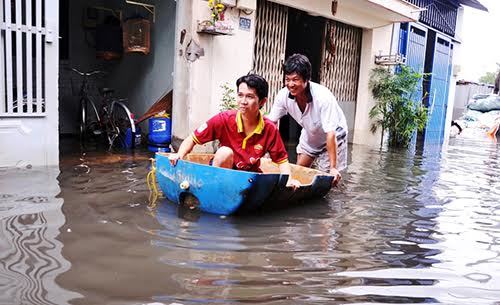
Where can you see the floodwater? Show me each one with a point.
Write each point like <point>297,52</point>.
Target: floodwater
<point>403,228</point>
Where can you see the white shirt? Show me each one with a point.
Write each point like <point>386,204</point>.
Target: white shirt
<point>320,116</point>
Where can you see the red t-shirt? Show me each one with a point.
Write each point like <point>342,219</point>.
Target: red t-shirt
<point>227,127</point>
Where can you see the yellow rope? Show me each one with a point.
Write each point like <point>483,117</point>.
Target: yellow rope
<point>152,185</point>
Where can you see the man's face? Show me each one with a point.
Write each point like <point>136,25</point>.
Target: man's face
<point>295,84</point>
<point>248,100</point>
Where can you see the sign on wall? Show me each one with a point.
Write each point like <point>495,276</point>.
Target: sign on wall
<point>245,24</point>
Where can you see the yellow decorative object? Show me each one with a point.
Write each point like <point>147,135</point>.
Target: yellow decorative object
<point>162,114</point>
<point>217,9</point>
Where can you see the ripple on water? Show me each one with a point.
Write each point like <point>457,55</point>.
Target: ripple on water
<point>417,227</point>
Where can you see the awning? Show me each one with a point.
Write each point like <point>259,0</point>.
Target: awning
<point>366,14</point>
<point>382,12</point>
<point>473,3</point>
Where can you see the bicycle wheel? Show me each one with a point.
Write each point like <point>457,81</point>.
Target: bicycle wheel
<point>89,120</point>
<point>123,131</point>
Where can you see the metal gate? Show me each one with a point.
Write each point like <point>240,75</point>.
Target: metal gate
<point>340,60</point>
<point>28,81</point>
<point>438,93</point>
<point>270,44</point>
<point>23,39</point>
<point>414,49</point>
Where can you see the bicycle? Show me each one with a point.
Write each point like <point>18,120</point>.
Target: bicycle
<point>114,119</point>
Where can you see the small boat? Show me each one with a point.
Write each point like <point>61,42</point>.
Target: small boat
<point>222,191</point>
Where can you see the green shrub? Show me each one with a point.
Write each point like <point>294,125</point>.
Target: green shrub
<point>228,98</point>
<point>396,110</point>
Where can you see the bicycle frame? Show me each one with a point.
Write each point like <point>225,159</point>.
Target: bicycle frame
<point>105,119</point>
<point>114,131</point>
<point>129,114</point>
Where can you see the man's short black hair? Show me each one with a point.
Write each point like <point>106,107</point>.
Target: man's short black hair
<point>300,64</point>
<point>256,82</point>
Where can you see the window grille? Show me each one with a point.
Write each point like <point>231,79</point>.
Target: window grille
<point>22,48</point>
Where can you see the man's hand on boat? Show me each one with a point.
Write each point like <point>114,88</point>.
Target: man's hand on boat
<point>334,172</point>
<point>173,158</point>
<point>293,183</point>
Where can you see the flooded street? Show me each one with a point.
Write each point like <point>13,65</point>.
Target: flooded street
<point>402,228</point>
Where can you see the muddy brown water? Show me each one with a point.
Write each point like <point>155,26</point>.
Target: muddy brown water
<point>419,227</point>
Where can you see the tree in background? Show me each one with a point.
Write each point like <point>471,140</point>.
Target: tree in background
<point>488,78</point>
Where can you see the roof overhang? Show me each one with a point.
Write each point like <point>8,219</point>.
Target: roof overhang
<point>474,4</point>
<point>361,13</point>
<point>392,11</point>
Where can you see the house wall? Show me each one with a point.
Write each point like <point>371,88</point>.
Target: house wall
<point>143,79</point>
<point>375,41</point>
<point>197,91</point>
<point>140,78</point>
<point>197,85</point>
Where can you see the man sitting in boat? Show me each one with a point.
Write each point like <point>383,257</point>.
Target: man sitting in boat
<point>244,134</point>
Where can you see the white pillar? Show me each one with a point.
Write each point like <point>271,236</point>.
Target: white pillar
<point>457,55</point>
<point>374,42</point>
<point>197,92</point>
<point>181,92</point>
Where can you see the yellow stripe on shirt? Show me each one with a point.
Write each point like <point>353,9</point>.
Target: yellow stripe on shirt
<point>195,139</point>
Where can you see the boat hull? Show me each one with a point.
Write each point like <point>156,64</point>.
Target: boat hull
<point>225,191</point>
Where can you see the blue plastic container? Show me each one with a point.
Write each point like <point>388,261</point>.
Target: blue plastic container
<point>133,139</point>
<point>160,130</point>
<point>157,148</point>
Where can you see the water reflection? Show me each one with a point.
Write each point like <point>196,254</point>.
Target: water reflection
<point>260,258</point>
<point>458,198</point>
<point>30,254</point>
<point>106,236</point>
<point>417,227</point>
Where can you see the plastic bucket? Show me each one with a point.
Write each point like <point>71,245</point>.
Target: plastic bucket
<point>133,139</point>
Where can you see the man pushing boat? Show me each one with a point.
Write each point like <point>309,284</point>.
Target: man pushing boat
<point>245,136</point>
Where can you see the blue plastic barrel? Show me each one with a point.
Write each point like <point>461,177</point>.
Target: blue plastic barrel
<point>160,133</point>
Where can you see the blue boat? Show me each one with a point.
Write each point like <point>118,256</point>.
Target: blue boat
<point>222,191</point>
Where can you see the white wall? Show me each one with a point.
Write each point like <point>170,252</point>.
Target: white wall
<point>374,42</point>
<point>197,92</point>
<point>457,57</point>
<point>197,85</point>
<point>182,70</point>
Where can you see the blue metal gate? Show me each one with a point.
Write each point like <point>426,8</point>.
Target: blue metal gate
<point>438,93</point>
<point>415,53</point>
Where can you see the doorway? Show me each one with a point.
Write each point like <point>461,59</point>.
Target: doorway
<point>305,34</point>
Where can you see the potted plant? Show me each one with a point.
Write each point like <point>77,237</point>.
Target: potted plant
<point>228,98</point>
<point>216,24</point>
<point>396,110</point>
